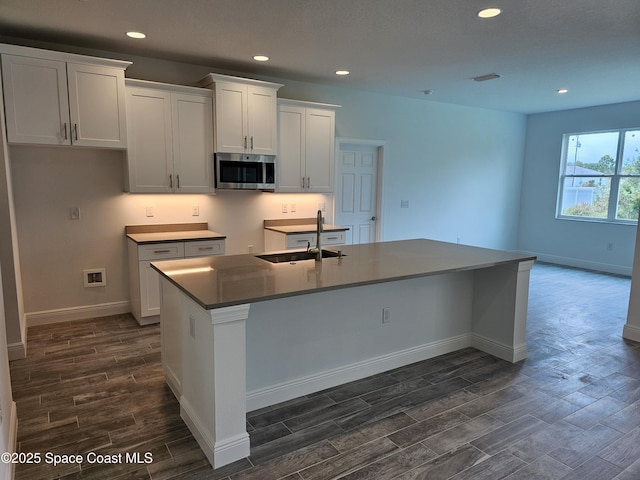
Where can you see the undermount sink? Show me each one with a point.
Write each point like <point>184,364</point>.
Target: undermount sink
<point>297,256</point>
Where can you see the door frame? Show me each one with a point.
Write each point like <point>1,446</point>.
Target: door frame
<point>380,146</point>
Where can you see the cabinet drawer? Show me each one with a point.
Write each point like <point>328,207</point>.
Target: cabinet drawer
<point>332,238</point>
<point>301,240</point>
<point>159,251</point>
<point>204,248</point>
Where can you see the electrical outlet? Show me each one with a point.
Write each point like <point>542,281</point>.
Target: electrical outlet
<point>74,213</point>
<point>192,327</point>
<point>250,248</point>
<point>149,211</point>
<point>386,315</point>
<point>285,208</point>
<point>195,210</point>
<point>610,246</point>
<point>322,206</point>
<point>293,208</point>
<point>404,203</point>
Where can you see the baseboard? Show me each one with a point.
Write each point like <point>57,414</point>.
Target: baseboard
<point>330,378</point>
<point>631,332</point>
<point>500,350</point>
<point>17,350</point>
<point>77,313</point>
<point>217,452</point>
<point>579,263</point>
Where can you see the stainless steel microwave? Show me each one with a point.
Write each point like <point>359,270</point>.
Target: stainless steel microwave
<point>236,171</point>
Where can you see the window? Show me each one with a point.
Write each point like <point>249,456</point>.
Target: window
<point>600,176</point>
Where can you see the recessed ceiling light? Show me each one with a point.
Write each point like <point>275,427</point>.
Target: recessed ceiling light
<point>562,91</point>
<point>136,35</point>
<point>342,72</point>
<point>489,12</point>
<point>261,58</point>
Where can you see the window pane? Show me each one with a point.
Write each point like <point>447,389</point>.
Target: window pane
<point>628,199</point>
<point>631,153</point>
<point>586,196</point>
<point>591,153</point>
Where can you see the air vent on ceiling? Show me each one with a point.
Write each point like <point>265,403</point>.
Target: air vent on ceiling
<point>484,78</point>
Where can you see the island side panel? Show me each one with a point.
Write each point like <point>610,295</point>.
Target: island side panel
<point>299,345</point>
<point>211,372</point>
<point>501,296</point>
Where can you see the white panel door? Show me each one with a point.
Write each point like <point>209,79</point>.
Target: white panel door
<point>356,192</point>
<point>192,143</point>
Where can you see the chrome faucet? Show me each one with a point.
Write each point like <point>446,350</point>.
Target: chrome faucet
<point>318,235</point>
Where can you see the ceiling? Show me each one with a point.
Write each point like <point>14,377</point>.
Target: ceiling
<point>397,47</point>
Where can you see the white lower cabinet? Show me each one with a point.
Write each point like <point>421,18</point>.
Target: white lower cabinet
<point>145,281</point>
<point>297,241</point>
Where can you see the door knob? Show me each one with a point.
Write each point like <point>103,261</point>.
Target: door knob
<point>374,218</point>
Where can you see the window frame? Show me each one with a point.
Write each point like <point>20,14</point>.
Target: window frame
<point>615,179</point>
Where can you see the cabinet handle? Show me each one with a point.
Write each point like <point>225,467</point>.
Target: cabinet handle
<point>178,181</point>
<point>75,130</point>
<point>64,129</point>
<point>302,178</point>
<point>162,251</point>
<point>308,182</point>
<point>251,142</point>
<point>171,181</point>
<point>245,142</point>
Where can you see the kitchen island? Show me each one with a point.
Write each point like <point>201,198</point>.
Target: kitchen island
<point>241,333</point>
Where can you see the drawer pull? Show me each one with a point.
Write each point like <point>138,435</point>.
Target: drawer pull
<point>205,248</point>
<point>333,238</point>
<point>162,251</point>
<point>302,241</point>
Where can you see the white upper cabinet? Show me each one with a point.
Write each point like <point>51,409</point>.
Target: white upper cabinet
<point>53,98</point>
<point>306,146</point>
<point>170,132</point>
<point>246,114</point>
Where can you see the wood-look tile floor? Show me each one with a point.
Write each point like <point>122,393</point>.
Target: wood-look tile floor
<point>571,410</point>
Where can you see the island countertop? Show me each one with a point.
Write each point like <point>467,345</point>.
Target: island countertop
<point>216,282</point>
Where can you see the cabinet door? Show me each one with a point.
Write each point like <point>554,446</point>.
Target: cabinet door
<point>149,152</point>
<point>36,100</point>
<point>149,290</point>
<point>320,144</point>
<point>262,118</point>
<point>192,117</point>
<point>291,149</point>
<point>231,118</point>
<point>96,106</point>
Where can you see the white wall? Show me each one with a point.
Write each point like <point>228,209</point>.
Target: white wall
<point>459,167</point>
<point>8,418</point>
<point>570,242</point>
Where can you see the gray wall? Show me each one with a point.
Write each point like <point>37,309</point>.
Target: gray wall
<point>570,242</point>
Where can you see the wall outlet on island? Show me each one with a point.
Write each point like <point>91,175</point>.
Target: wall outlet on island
<point>386,315</point>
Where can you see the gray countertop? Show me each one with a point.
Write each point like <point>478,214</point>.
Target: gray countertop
<point>179,236</point>
<point>216,282</point>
